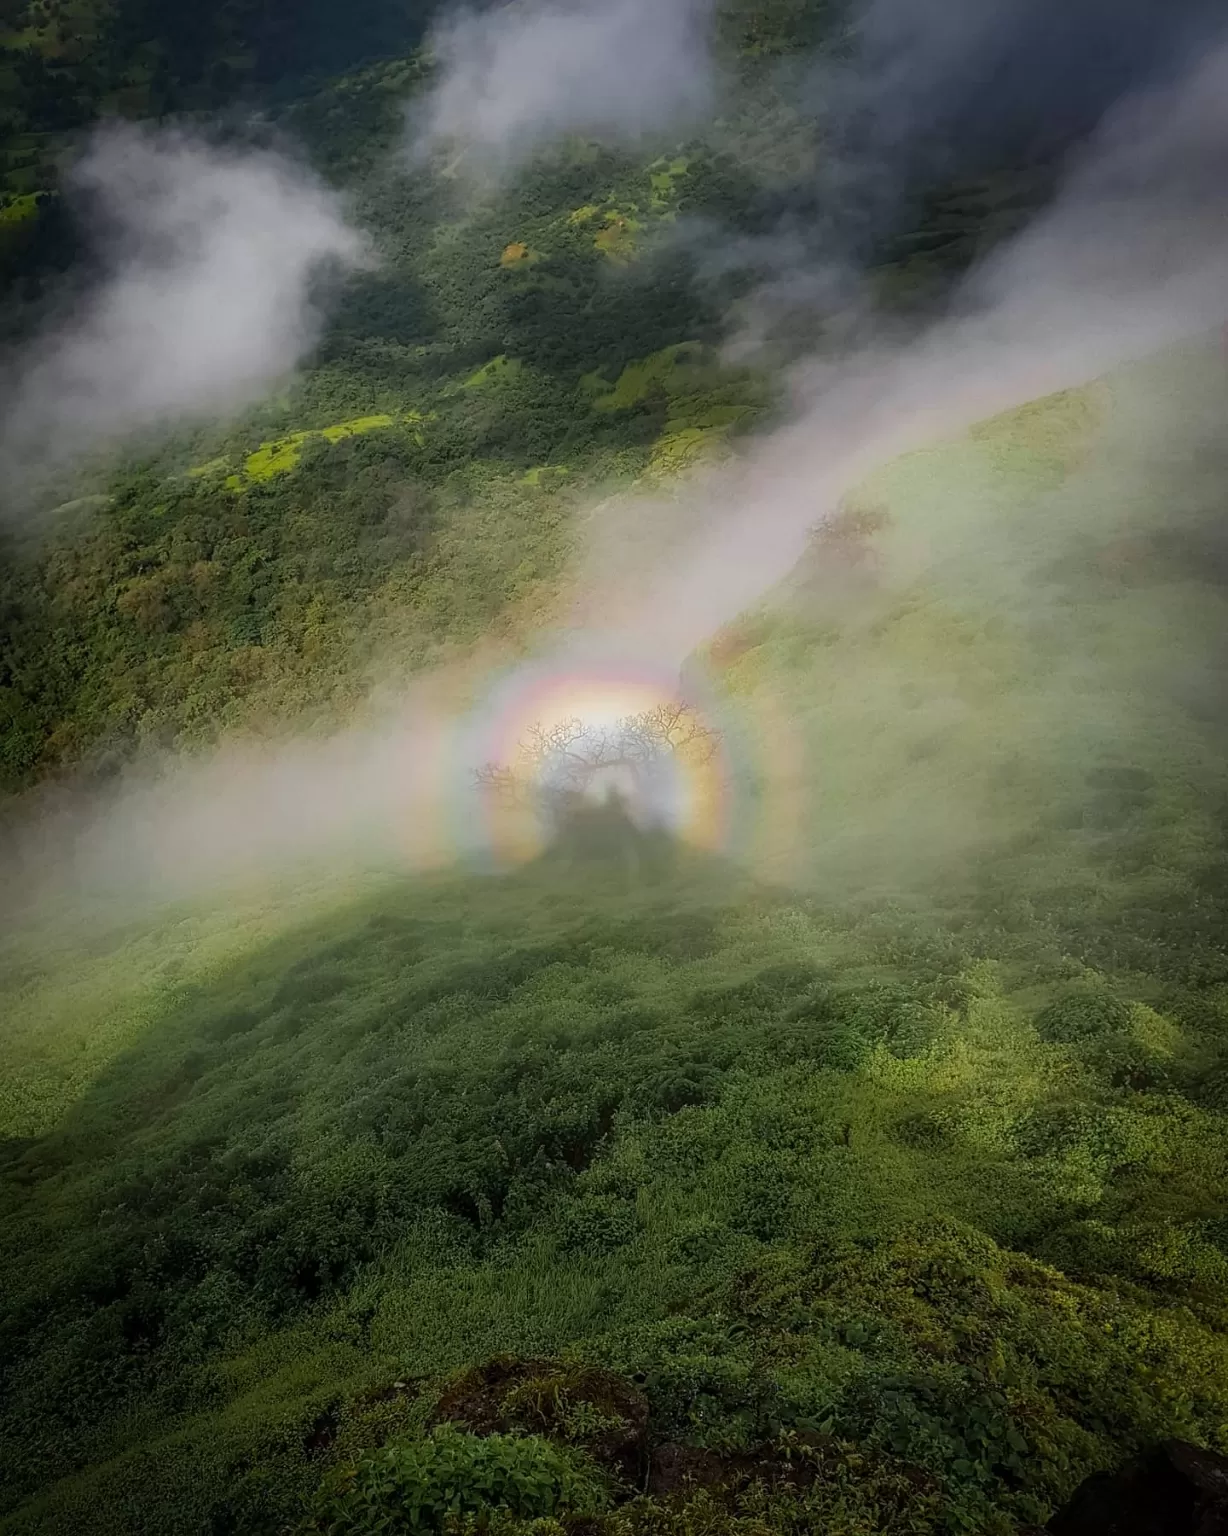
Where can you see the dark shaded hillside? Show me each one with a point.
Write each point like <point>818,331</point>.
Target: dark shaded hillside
<point>65,63</point>
<point>797,1179</point>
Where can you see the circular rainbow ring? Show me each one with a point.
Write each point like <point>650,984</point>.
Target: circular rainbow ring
<point>599,693</point>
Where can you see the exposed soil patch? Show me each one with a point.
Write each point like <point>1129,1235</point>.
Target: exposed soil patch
<point>578,1404</point>
<point>807,1459</point>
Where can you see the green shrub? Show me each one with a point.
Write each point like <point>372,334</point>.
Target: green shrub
<point>597,1224</point>
<point>428,1485</point>
<point>1082,1015</point>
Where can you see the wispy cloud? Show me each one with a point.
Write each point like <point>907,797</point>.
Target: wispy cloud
<point>513,78</point>
<point>1132,254</point>
<point>209,256</point>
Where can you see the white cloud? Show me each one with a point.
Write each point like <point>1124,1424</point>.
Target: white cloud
<point>209,257</point>
<point>518,76</point>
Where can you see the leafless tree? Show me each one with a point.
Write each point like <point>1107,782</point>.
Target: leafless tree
<point>558,765</point>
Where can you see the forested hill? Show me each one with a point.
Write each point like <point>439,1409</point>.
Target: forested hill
<point>415,486</point>
<point>66,62</point>
<point>854,1162</point>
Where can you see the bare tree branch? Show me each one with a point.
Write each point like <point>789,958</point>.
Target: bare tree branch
<point>558,763</point>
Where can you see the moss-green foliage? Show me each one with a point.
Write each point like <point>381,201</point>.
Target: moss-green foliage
<point>500,370</point>
<point>285,453</point>
<point>786,1173</point>
<point>276,458</point>
<point>184,598</point>
<point>665,175</point>
<point>250,572</point>
<point>703,403</point>
<point>667,370</point>
<point>429,1485</point>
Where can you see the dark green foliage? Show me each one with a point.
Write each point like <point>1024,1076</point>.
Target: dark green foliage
<point>765,1192</point>
<point>527,1205</point>
<point>427,1485</point>
<point>185,595</point>
<point>148,58</point>
<point>1081,1016</point>
<point>188,602</point>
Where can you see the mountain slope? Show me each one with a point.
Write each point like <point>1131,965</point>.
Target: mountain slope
<point>928,1195</point>
<point>862,1172</point>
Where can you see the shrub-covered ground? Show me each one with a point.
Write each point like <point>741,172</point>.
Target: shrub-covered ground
<point>888,1198</point>
<point>901,1225</point>
<point>416,488</point>
<point>871,1181</point>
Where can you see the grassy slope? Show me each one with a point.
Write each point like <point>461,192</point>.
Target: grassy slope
<point>941,1182</point>
<point>939,1179</point>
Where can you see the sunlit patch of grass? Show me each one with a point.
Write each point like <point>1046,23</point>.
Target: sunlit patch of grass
<point>619,223</point>
<point>616,239</point>
<point>703,405</point>
<point>1052,435</point>
<point>20,210</point>
<point>276,458</point>
<point>500,370</point>
<point>283,454</point>
<point>1032,448</point>
<point>676,451</point>
<point>664,175</point>
<point>212,467</point>
<point>660,368</point>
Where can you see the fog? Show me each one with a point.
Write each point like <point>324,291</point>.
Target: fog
<point>205,301</point>
<point>955,86</point>
<point>514,78</point>
<point>1131,256</point>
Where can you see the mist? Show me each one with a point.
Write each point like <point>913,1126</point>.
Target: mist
<point>1130,258</point>
<point>514,78</point>
<point>935,97</point>
<point>208,256</point>
<point>952,87</point>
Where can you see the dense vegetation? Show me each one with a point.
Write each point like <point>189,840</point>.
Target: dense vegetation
<point>942,1213</point>
<point>66,62</point>
<point>871,1183</point>
<point>897,1217</point>
<point>483,368</point>
<point>551,340</point>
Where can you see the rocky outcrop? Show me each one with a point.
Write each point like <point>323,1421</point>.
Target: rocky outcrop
<point>1174,1490</point>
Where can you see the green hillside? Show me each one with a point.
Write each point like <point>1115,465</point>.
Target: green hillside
<point>889,1216</point>
<point>861,1171</point>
